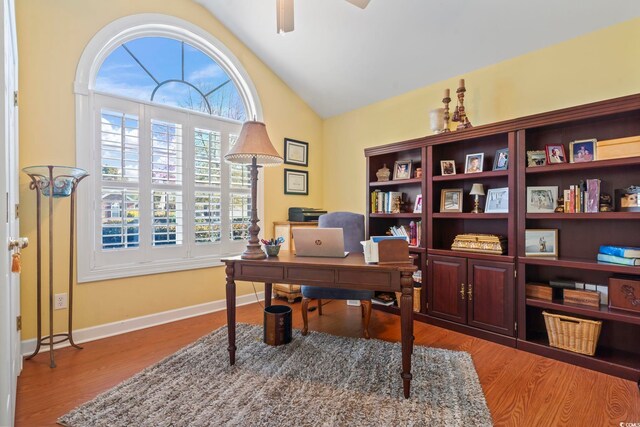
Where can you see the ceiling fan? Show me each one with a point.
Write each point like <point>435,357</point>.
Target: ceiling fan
<point>284,11</point>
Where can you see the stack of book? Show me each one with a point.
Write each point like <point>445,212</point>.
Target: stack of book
<point>405,231</point>
<point>386,202</point>
<point>619,255</point>
<point>584,197</point>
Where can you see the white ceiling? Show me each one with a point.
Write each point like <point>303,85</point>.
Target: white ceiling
<point>340,57</point>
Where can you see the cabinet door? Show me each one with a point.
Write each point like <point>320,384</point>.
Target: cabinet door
<point>491,296</point>
<point>447,290</point>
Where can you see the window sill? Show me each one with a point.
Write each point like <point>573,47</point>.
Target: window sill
<point>94,274</point>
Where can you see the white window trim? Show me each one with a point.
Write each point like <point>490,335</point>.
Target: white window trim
<point>97,50</point>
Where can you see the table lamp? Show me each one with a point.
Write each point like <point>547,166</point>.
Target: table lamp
<point>254,147</point>
<point>477,190</point>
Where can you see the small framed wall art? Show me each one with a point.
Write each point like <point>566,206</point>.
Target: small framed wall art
<point>296,182</point>
<point>451,200</point>
<point>497,200</point>
<point>448,167</point>
<point>541,242</point>
<point>474,163</point>
<point>417,207</point>
<point>542,199</point>
<point>402,169</point>
<point>536,158</point>
<point>555,154</point>
<point>583,150</point>
<point>296,152</point>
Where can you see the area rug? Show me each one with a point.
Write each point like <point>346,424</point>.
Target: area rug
<point>317,380</point>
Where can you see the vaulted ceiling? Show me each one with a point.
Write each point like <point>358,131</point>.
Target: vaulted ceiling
<point>340,57</point>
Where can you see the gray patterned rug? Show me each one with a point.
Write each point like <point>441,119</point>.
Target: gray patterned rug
<point>319,379</point>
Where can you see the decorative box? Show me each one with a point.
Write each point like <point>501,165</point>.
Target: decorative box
<point>618,148</point>
<point>624,293</point>
<point>485,243</point>
<point>539,290</point>
<point>588,298</point>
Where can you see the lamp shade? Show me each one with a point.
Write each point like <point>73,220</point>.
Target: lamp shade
<point>254,142</point>
<point>477,190</point>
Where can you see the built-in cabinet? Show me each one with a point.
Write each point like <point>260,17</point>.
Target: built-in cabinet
<point>484,294</point>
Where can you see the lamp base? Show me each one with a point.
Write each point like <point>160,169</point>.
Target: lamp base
<point>476,205</point>
<point>253,251</point>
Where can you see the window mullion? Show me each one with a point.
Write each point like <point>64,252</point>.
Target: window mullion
<point>146,215</point>
<point>225,196</point>
<point>188,179</point>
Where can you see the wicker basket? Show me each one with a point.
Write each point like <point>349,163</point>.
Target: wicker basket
<point>416,298</point>
<point>572,333</point>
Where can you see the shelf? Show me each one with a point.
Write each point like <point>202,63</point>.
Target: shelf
<point>579,263</point>
<point>417,250</point>
<point>396,215</point>
<point>603,312</point>
<point>474,255</point>
<point>469,215</point>
<point>597,164</point>
<point>467,176</point>
<point>396,182</point>
<point>574,216</point>
<point>611,361</point>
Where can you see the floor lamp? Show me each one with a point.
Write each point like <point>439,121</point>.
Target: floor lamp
<point>254,148</point>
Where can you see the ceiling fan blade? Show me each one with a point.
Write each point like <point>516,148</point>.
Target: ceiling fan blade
<point>284,12</point>
<point>360,3</point>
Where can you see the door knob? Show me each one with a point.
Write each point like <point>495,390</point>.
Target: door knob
<point>19,243</point>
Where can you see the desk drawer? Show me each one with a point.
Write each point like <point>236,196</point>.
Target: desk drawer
<point>374,280</point>
<point>310,275</point>
<point>263,273</point>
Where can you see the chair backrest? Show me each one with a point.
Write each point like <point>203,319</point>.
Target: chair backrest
<point>352,225</point>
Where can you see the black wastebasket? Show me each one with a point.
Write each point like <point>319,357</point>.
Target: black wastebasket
<point>277,325</point>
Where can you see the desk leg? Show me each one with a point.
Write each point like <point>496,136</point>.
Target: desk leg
<point>231,312</point>
<point>267,294</point>
<point>406,319</point>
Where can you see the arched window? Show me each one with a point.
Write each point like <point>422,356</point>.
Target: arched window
<point>159,104</point>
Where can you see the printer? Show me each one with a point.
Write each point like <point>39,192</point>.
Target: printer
<point>305,214</point>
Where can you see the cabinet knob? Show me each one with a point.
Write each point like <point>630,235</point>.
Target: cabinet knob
<point>462,291</point>
<point>470,292</point>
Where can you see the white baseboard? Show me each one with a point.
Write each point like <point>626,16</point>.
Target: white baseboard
<point>142,322</point>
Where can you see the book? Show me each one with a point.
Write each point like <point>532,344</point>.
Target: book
<point>620,251</point>
<point>593,195</point>
<point>612,259</point>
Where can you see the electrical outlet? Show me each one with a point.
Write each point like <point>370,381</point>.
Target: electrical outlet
<point>59,301</point>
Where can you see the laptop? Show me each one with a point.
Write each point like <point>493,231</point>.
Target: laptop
<point>319,242</point>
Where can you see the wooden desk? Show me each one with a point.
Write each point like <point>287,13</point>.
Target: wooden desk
<point>350,273</point>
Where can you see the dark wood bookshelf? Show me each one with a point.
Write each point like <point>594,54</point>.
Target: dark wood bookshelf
<point>391,183</point>
<point>603,312</point>
<point>596,164</point>
<point>473,255</point>
<point>468,176</point>
<point>396,215</point>
<point>579,263</point>
<point>581,216</point>
<point>417,250</point>
<point>469,215</point>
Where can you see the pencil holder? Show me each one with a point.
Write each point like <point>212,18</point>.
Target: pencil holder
<point>272,250</point>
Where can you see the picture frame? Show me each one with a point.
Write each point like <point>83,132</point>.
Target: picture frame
<point>296,152</point>
<point>555,154</point>
<point>536,158</point>
<point>541,242</point>
<point>451,200</point>
<point>417,206</point>
<point>501,160</point>
<point>402,169</point>
<point>473,163</point>
<point>447,167</point>
<point>583,150</point>
<point>497,200</point>
<point>296,182</point>
<point>542,199</point>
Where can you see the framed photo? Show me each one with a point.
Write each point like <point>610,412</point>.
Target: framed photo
<point>296,182</point>
<point>447,167</point>
<point>417,207</point>
<point>555,154</point>
<point>541,199</point>
<point>473,163</point>
<point>497,200</point>
<point>541,242</point>
<point>583,150</point>
<point>536,158</point>
<point>402,169</point>
<point>296,152</point>
<point>501,160</point>
<point>451,200</point>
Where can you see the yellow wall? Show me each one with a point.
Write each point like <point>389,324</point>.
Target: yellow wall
<point>51,38</point>
<point>600,65</point>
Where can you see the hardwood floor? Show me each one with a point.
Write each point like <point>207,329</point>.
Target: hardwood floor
<point>521,389</point>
